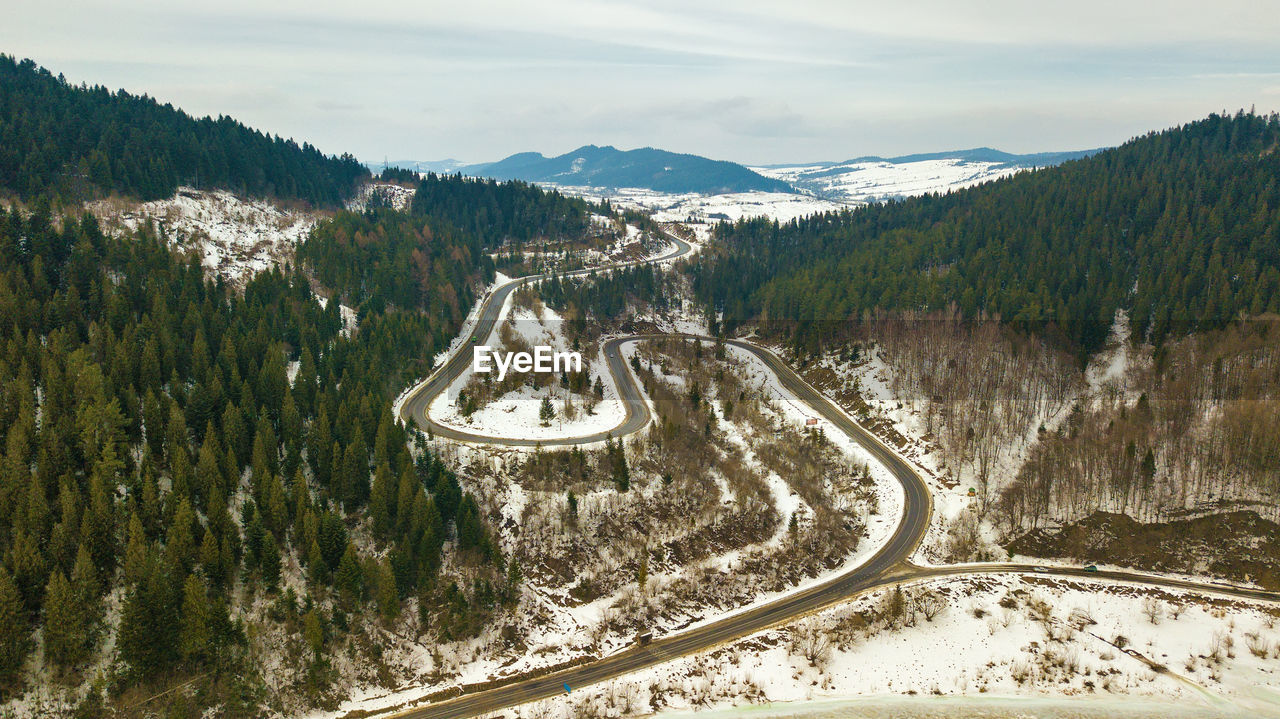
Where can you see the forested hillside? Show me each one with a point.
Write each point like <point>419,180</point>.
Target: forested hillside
<point>1078,343</point>
<point>647,167</point>
<point>207,485</point>
<point>76,142</point>
<point>499,213</point>
<point>1181,227</point>
<point>383,257</point>
<point>433,257</point>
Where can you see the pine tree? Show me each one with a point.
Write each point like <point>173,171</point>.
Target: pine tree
<point>405,494</point>
<point>388,598</point>
<point>135,550</point>
<point>317,570</point>
<point>234,434</point>
<point>349,579</point>
<point>313,631</point>
<point>195,632</point>
<point>546,412</point>
<point>355,468</point>
<point>269,562</point>
<point>180,543</point>
<point>380,500</point>
<point>208,472</point>
<point>65,628</point>
<point>15,637</point>
<point>85,588</point>
<point>98,529</point>
<point>275,506</point>
<point>1148,468</point>
<point>211,558</point>
<point>148,634</point>
<point>621,473</point>
<point>291,434</point>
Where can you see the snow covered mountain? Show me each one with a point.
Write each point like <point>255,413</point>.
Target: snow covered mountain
<point>698,190</point>
<point>868,179</point>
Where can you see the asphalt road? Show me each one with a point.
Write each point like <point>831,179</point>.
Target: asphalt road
<point>415,405</point>
<point>887,567</point>
<point>883,568</point>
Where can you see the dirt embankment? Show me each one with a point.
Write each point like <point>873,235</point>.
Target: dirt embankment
<point>1238,546</point>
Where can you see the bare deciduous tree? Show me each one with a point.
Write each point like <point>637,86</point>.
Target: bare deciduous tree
<point>812,640</point>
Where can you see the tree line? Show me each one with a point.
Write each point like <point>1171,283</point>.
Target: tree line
<point>74,143</point>
<point>501,213</point>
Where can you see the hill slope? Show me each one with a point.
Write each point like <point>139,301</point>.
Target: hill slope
<point>871,178</point>
<point>1179,227</point>
<point>76,143</point>
<point>646,167</point>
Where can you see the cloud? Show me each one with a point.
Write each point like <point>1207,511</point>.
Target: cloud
<point>753,80</point>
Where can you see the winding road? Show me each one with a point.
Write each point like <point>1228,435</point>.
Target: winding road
<point>416,404</point>
<point>889,566</point>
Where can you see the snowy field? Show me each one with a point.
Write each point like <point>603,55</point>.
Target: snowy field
<point>881,180</point>
<point>698,208</point>
<point>822,188</point>
<point>993,647</point>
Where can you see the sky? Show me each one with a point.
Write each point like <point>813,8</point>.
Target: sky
<point>750,81</point>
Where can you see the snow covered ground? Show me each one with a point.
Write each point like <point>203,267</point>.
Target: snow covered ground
<point>235,237</point>
<point>880,180</point>
<point>399,196</point>
<point>556,631</point>
<point>988,707</point>
<point>695,207</point>
<point>823,188</point>
<point>889,493</point>
<point>515,415</point>
<point>995,647</point>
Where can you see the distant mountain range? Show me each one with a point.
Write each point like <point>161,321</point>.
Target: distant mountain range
<point>649,168</point>
<point>977,154</point>
<point>872,178</point>
<point>867,178</point>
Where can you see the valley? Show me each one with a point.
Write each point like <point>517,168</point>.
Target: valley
<point>958,433</point>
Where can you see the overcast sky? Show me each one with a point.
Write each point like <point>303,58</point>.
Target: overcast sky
<point>751,81</point>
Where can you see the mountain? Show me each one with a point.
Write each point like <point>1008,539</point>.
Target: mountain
<point>647,167</point>
<point>871,177</point>
<point>985,154</point>
<point>77,142</point>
